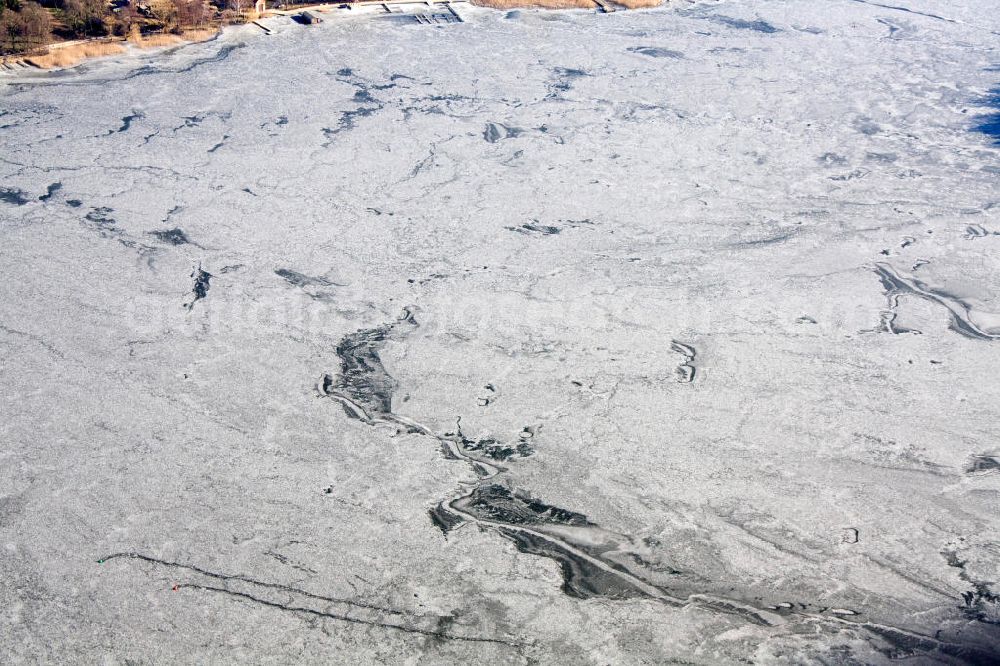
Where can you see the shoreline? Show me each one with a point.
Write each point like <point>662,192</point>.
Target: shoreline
<point>66,55</point>
<point>69,54</point>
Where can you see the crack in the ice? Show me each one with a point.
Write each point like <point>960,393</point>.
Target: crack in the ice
<point>34,338</point>
<point>535,527</point>
<point>256,597</point>
<point>981,603</point>
<point>302,280</point>
<point>352,620</point>
<point>907,10</point>
<point>364,389</point>
<point>99,219</point>
<point>896,285</point>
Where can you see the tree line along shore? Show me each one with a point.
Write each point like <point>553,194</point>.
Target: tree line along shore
<point>56,32</point>
<point>59,33</point>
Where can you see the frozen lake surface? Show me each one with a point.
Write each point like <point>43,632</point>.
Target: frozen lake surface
<point>536,338</point>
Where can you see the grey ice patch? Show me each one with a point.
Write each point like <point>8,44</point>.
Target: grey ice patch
<point>497,132</point>
<point>882,158</point>
<point>200,288</point>
<point>535,228</point>
<point>348,121</point>
<point>498,503</point>
<point>655,52</point>
<point>983,464</point>
<point>978,231</point>
<point>831,159</point>
<point>50,191</point>
<point>854,174</point>
<point>175,236</point>
<point>493,448</point>
<point>758,25</point>
<point>563,80</point>
<point>582,579</point>
<point>13,195</point>
<point>363,386</point>
<point>127,122</point>
<point>302,280</point>
<point>867,126</point>
<point>686,370</point>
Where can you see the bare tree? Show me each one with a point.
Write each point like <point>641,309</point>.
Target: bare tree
<point>85,17</point>
<point>24,30</point>
<point>125,22</point>
<point>164,11</point>
<point>37,24</point>
<point>10,30</point>
<point>239,6</point>
<point>191,13</point>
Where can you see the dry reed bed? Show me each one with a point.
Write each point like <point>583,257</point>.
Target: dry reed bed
<point>153,41</point>
<point>67,56</point>
<point>639,4</point>
<point>172,39</point>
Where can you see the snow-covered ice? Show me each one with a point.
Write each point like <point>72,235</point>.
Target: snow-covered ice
<point>565,337</point>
